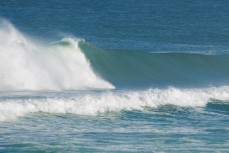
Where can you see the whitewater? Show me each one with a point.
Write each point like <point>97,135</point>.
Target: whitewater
<point>94,104</point>
<point>26,65</point>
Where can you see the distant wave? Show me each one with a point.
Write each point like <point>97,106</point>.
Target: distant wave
<point>28,65</point>
<point>95,103</point>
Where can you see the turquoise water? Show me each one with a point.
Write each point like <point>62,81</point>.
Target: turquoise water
<point>114,76</point>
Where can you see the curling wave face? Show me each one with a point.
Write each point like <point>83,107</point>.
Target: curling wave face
<point>27,65</point>
<point>159,69</point>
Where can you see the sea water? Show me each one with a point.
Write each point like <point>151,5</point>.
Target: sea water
<point>114,76</point>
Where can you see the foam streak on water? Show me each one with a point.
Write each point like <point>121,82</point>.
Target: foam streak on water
<point>27,65</point>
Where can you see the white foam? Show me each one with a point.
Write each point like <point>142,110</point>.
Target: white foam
<point>110,101</point>
<point>27,65</point>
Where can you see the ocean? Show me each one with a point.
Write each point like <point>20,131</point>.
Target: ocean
<point>114,76</point>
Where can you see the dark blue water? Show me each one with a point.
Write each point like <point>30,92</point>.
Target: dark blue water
<point>114,76</point>
<point>147,25</point>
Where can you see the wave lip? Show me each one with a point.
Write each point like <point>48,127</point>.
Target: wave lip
<point>27,65</point>
<point>111,101</point>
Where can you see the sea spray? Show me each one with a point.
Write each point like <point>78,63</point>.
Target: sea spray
<point>27,65</point>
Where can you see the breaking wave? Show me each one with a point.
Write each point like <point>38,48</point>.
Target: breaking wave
<point>27,65</point>
<point>95,103</point>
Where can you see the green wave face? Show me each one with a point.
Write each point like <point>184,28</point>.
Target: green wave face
<point>134,68</point>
